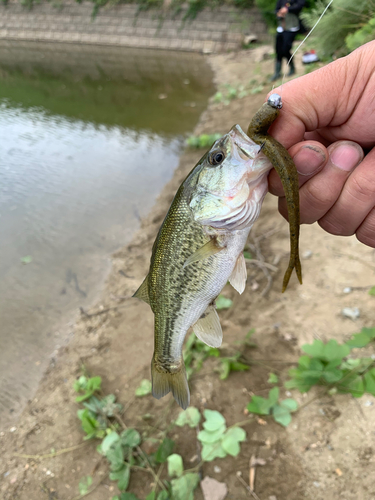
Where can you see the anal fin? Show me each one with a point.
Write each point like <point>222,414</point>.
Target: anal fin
<point>210,248</point>
<point>142,292</point>
<point>208,328</point>
<point>239,274</point>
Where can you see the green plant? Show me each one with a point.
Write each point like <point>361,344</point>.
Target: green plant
<point>202,141</point>
<point>280,410</point>
<point>372,291</point>
<point>88,386</point>
<point>84,485</point>
<point>327,364</point>
<point>195,353</point>
<point>144,388</point>
<point>218,441</point>
<point>231,364</point>
<point>345,26</point>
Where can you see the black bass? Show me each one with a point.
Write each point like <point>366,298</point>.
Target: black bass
<point>198,249</point>
<point>200,244</point>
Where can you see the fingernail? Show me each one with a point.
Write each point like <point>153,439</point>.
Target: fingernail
<point>309,160</point>
<point>346,157</point>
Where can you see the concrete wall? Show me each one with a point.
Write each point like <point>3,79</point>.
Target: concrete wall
<point>219,30</point>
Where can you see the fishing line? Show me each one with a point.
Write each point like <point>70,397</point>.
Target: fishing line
<point>304,40</point>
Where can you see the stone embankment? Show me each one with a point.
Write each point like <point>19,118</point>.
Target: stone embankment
<point>219,30</point>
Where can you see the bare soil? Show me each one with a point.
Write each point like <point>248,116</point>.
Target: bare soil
<point>327,452</point>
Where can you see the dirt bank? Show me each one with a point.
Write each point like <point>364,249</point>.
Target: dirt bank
<point>327,452</point>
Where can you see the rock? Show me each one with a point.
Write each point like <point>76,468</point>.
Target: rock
<point>351,312</point>
<point>347,289</point>
<point>213,490</point>
<point>307,254</point>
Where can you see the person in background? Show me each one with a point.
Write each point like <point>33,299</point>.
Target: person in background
<point>287,12</point>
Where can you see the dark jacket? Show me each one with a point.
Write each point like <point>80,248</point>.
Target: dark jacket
<point>294,7</point>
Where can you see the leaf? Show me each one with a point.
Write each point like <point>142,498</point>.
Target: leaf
<point>115,456</point>
<point>122,476</point>
<point>353,384</point>
<point>369,380</point>
<point>273,379</point>
<point>190,417</point>
<point>273,395</point>
<point>247,255</point>
<point>214,420</point>
<point>163,495</point>
<point>262,406</point>
<point>211,437</point>
<point>223,303</point>
<point>372,291</point>
<point>332,376</point>
<point>361,339</point>
<point>231,447</point>
<point>164,450</point>
<point>131,438</point>
<point>236,366</point>
<point>282,415</point>
<point>183,487</point>
<point>289,403</point>
<point>144,388</point>
<point>224,369</point>
<point>128,496</point>
<point>151,496</point>
<point>212,451</point>
<point>315,349</point>
<point>27,259</point>
<point>175,465</point>
<point>108,441</point>
<point>230,441</point>
<point>236,433</point>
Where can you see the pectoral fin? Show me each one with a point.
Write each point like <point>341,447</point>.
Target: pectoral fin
<point>208,328</point>
<point>142,292</point>
<point>238,277</point>
<point>210,248</point>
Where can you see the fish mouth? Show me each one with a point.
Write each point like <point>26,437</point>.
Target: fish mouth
<point>245,149</point>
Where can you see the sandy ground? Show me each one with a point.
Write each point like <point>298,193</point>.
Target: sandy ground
<point>327,452</point>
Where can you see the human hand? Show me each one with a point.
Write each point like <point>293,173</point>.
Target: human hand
<point>326,120</point>
<point>282,12</point>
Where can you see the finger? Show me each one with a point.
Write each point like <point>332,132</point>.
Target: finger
<point>321,192</point>
<point>355,203</point>
<point>366,231</point>
<point>309,158</point>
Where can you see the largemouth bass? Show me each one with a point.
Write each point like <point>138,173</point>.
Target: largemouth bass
<point>199,248</point>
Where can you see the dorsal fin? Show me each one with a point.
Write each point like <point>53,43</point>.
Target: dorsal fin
<point>208,249</point>
<point>142,292</point>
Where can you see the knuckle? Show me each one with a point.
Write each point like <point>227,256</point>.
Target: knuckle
<point>362,187</point>
<point>366,231</point>
<point>335,227</point>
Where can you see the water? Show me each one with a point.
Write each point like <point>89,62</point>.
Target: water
<point>88,137</point>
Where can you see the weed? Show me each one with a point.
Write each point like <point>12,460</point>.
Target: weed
<point>202,141</point>
<point>326,364</point>
<point>280,410</point>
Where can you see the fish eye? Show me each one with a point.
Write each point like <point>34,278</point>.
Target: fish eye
<point>216,157</point>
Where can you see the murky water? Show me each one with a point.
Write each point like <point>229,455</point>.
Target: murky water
<point>88,137</point>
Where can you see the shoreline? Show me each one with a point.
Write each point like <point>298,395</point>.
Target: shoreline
<point>116,340</point>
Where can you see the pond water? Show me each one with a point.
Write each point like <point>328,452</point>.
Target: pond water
<point>88,137</point>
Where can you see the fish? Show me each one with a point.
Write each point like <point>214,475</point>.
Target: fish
<point>199,248</point>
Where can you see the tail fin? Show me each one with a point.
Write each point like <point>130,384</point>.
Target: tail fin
<point>164,382</point>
